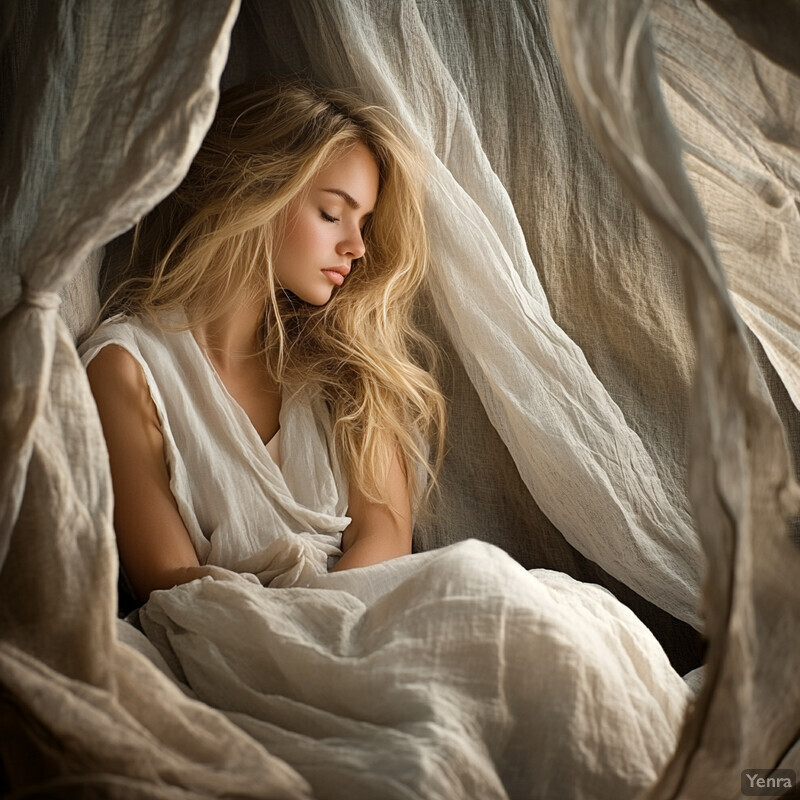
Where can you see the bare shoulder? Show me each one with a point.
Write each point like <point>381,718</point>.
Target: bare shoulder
<point>114,363</point>
<point>119,385</point>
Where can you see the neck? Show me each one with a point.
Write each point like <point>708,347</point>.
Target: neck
<point>232,337</point>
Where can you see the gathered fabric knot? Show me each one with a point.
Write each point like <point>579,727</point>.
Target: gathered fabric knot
<point>44,299</point>
<point>292,560</point>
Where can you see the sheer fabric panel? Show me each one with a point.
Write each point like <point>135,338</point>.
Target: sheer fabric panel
<point>108,106</point>
<point>742,485</point>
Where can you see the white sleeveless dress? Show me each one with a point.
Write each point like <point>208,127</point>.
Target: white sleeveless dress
<point>449,674</point>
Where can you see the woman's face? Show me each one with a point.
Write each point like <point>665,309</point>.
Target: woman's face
<point>324,227</point>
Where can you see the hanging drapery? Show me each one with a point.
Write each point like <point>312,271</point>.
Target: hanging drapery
<point>567,246</point>
<point>612,487</point>
<point>742,485</point>
<point>109,105</point>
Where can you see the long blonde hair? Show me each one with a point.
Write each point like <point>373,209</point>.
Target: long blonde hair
<point>219,231</point>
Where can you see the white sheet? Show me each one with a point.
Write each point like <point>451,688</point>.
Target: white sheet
<point>447,674</point>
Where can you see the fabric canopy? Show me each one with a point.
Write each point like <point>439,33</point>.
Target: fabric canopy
<point>614,224</point>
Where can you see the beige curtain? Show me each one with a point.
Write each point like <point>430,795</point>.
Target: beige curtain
<point>109,102</point>
<point>741,482</point>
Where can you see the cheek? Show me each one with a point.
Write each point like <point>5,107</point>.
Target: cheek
<point>302,239</point>
<point>290,245</point>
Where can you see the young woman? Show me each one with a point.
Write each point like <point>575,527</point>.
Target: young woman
<point>271,423</point>
<point>262,255</point>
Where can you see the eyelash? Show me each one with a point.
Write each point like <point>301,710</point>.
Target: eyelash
<point>329,218</point>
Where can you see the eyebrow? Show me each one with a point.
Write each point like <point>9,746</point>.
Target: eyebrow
<point>349,199</point>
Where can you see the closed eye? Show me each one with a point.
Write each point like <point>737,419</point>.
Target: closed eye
<point>328,217</point>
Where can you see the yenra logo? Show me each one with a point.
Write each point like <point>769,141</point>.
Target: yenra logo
<point>767,782</point>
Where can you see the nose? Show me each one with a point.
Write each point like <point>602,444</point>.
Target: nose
<point>352,244</point>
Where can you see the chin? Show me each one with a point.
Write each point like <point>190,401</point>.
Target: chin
<point>317,299</point>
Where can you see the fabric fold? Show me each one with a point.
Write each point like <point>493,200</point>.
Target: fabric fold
<point>742,485</point>
<point>585,467</point>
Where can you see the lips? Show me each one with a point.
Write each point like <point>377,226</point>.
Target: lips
<point>337,274</point>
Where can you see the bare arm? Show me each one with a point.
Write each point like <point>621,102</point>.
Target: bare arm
<point>378,532</point>
<point>154,544</point>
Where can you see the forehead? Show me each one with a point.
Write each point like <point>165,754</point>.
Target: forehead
<point>355,173</point>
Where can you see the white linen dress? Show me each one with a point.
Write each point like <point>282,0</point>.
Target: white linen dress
<point>454,673</point>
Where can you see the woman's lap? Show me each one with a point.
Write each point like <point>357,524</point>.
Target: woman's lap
<point>465,663</point>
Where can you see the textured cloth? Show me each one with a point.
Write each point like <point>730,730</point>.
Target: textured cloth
<point>432,674</point>
<point>613,199</point>
<point>210,445</point>
<point>741,477</point>
<point>586,467</point>
<point>106,105</point>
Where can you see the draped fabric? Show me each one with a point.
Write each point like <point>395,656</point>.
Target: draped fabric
<point>741,480</point>
<point>109,103</point>
<point>614,223</point>
<point>427,675</point>
<point>233,498</point>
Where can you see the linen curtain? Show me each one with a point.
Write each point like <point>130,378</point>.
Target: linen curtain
<point>107,104</point>
<point>612,199</point>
